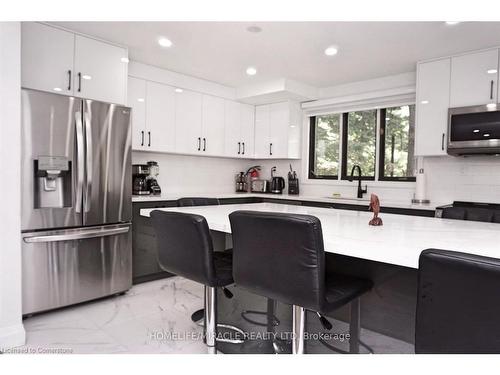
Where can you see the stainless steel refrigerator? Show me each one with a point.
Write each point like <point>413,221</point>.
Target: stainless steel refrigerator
<point>76,200</point>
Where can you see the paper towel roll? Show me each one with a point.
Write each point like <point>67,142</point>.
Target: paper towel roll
<point>420,186</point>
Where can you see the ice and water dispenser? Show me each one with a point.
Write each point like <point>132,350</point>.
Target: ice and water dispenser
<point>52,182</point>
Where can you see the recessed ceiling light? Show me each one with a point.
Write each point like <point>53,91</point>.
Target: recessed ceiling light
<point>87,77</point>
<point>164,42</point>
<point>424,102</point>
<point>491,71</point>
<point>125,59</point>
<point>254,29</point>
<point>331,51</point>
<point>140,100</point>
<point>179,90</point>
<point>251,71</point>
<point>491,106</point>
<point>475,131</point>
<point>452,22</point>
<point>486,135</point>
<point>57,89</point>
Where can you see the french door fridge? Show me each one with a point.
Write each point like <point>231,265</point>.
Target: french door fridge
<point>76,200</point>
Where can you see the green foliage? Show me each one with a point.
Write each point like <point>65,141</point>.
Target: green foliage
<point>361,142</point>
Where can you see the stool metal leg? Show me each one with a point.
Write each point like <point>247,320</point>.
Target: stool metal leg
<point>298,323</point>
<point>210,317</point>
<point>354,326</point>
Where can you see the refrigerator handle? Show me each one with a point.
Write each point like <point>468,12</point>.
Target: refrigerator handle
<point>77,235</point>
<point>89,162</point>
<point>79,162</point>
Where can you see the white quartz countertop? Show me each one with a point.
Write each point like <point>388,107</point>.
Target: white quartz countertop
<point>323,199</point>
<point>399,241</point>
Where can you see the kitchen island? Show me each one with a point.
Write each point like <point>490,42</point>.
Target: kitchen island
<point>388,255</point>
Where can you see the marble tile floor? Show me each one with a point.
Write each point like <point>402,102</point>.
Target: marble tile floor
<point>139,321</point>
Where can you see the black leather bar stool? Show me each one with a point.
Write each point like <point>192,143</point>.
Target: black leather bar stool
<point>458,304</point>
<point>185,249</point>
<point>197,316</point>
<point>281,256</point>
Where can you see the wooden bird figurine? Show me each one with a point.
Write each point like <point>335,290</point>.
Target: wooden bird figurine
<point>375,207</point>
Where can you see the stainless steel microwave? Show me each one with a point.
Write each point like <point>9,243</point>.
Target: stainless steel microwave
<point>474,130</point>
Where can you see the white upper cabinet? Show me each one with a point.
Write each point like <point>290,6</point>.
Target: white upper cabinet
<point>247,129</point>
<point>100,70</point>
<point>474,79</point>
<point>59,61</point>
<point>188,129</point>
<point>433,100</point>
<point>137,101</point>
<point>213,137</point>
<point>277,131</point>
<point>262,132</point>
<point>47,58</point>
<point>239,129</point>
<point>160,117</point>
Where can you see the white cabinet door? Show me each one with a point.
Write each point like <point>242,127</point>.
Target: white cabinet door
<point>213,137</point>
<point>232,133</point>
<point>100,71</point>
<point>160,117</point>
<point>262,132</point>
<point>433,98</point>
<point>188,112</point>
<point>474,79</point>
<point>47,58</point>
<point>247,129</point>
<point>137,101</point>
<point>279,123</point>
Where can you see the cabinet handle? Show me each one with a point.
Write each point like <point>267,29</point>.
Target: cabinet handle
<point>442,142</point>
<point>270,148</point>
<point>239,148</point>
<point>142,137</point>
<point>149,139</point>
<point>204,144</point>
<point>491,89</point>
<point>199,143</point>
<point>69,80</point>
<point>79,82</point>
<point>243,148</point>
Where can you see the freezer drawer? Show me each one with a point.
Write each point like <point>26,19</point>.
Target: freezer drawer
<point>64,267</point>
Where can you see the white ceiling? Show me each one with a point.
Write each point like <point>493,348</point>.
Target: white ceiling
<point>221,51</point>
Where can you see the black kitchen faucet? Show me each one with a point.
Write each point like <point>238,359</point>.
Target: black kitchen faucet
<point>361,191</point>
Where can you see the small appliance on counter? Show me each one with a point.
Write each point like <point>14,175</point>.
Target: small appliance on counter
<point>277,183</point>
<point>139,184</point>
<point>151,181</point>
<point>293,182</point>
<point>241,185</point>
<point>260,186</point>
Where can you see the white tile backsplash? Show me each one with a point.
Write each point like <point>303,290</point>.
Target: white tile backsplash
<point>448,178</point>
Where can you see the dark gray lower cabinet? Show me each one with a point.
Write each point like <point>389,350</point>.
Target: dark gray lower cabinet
<point>144,260</point>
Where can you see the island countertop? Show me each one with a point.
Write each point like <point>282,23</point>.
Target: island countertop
<point>399,241</point>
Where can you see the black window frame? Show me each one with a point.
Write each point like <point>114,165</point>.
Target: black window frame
<point>381,156</point>
<point>345,128</point>
<point>312,148</point>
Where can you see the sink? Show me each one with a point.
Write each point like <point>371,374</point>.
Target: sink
<point>349,199</point>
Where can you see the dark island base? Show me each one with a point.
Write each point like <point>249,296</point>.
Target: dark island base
<point>389,309</point>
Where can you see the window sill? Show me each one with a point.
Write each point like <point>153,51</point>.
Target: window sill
<point>410,185</point>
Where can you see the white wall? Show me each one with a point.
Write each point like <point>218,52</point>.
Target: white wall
<point>475,178</point>
<point>194,174</point>
<point>11,328</point>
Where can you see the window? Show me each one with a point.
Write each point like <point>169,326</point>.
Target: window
<point>397,143</point>
<point>340,141</point>
<point>325,146</point>
<point>359,143</point>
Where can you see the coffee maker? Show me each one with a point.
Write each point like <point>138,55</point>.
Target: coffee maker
<point>139,174</point>
<point>151,181</point>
